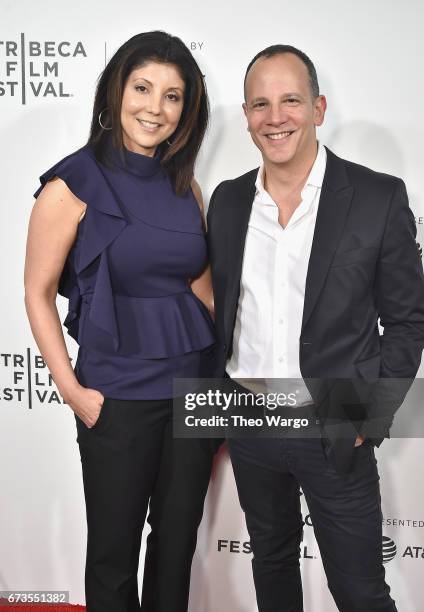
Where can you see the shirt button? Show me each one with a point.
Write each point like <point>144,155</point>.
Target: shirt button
<point>281,359</point>
<point>281,321</point>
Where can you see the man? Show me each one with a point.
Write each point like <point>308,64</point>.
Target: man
<point>307,254</point>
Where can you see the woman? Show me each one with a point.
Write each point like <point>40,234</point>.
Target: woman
<point>117,229</point>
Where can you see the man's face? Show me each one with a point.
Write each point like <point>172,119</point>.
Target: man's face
<point>280,110</point>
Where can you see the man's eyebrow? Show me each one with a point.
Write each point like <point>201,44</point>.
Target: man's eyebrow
<point>289,94</point>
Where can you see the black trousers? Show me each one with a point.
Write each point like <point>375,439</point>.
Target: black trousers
<point>345,512</point>
<point>128,458</point>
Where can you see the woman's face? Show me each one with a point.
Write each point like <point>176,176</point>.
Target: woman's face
<point>152,104</point>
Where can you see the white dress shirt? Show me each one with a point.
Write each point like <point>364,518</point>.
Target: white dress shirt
<point>272,286</point>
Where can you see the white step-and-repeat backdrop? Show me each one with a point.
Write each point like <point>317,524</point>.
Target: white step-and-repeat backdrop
<point>369,60</point>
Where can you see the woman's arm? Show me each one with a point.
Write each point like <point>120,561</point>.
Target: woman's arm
<point>52,230</point>
<point>202,285</point>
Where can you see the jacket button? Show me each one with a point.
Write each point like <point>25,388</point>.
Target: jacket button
<point>224,348</point>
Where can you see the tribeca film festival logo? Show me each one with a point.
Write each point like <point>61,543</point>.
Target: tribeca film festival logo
<point>236,546</point>
<point>389,548</point>
<point>32,68</point>
<point>25,379</point>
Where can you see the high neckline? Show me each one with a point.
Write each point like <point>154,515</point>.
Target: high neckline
<point>140,164</point>
<point>135,163</point>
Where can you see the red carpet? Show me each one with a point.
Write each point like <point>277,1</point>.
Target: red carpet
<point>41,607</point>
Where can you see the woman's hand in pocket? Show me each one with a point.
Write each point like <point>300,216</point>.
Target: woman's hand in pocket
<point>86,403</point>
<point>359,441</point>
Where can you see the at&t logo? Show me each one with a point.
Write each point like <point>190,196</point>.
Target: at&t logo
<point>389,549</point>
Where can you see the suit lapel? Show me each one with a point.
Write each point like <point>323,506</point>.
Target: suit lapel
<point>238,222</point>
<point>334,205</point>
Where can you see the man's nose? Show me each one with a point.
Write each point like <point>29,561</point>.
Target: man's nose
<point>277,115</point>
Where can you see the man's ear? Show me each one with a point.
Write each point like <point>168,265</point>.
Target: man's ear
<point>244,106</point>
<point>320,105</point>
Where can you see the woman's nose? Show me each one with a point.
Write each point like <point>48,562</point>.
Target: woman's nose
<point>154,104</point>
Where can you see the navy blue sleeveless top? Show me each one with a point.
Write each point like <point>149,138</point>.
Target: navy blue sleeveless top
<point>131,309</point>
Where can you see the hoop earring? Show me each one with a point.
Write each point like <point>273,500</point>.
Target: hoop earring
<point>100,120</point>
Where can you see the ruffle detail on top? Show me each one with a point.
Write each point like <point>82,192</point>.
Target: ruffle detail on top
<point>97,317</point>
<point>102,223</point>
<point>148,190</point>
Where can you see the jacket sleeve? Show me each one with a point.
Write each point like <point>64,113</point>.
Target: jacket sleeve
<point>216,241</point>
<point>211,210</point>
<point>399,295</point>
<point>216,233</point>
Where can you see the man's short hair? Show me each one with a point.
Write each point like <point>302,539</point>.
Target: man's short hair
<point>280,50</point>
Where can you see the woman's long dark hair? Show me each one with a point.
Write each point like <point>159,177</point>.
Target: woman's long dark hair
<point>179,157</point>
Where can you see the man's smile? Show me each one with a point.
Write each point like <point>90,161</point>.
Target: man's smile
<point>279,135</point>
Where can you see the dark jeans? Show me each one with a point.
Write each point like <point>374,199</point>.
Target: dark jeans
<point>129,457</point>
<point>345,512</point>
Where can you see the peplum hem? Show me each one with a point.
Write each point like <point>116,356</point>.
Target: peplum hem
<point>152,328</point>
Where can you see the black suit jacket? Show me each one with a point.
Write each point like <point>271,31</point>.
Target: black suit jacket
<point>364,265</point>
